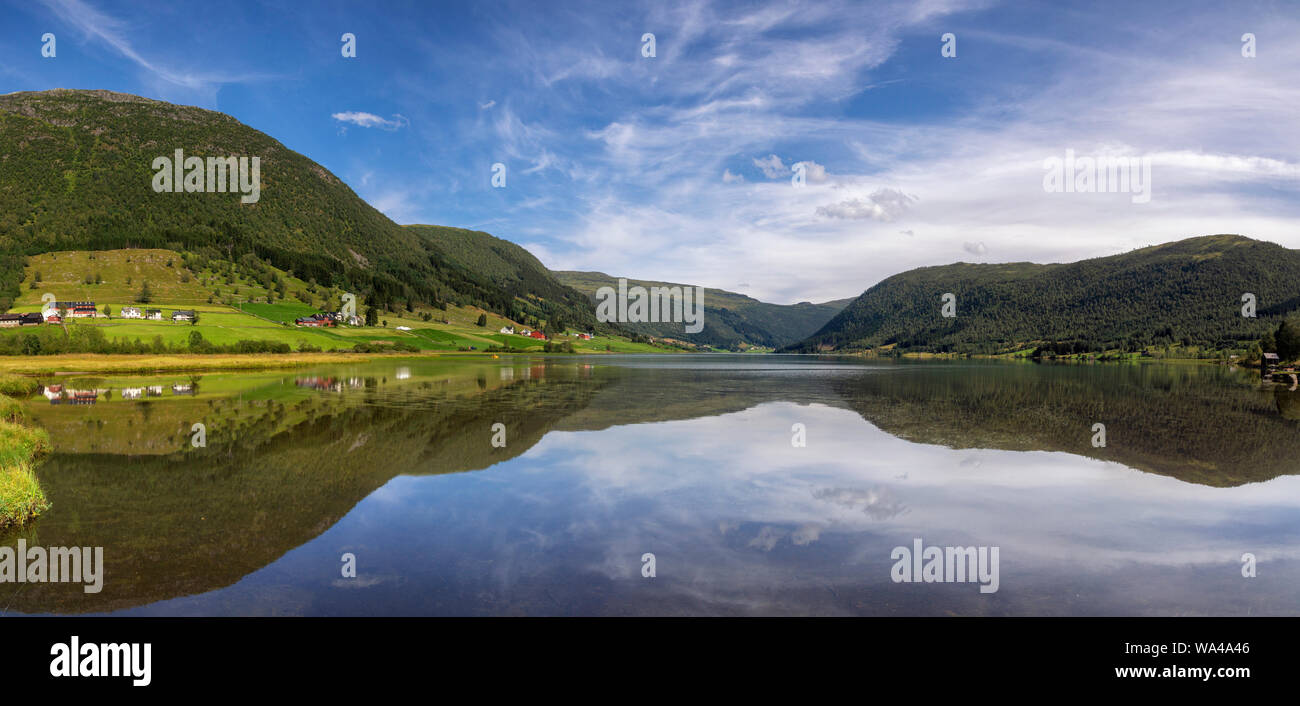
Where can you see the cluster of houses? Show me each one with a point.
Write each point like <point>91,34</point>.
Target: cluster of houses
<point>73,310</point>
<point>135,312</point>
<point>539,335</point>
<point>524,332</point>
<point>86,310</point>
<point>333,318</point>
<point>50,314</point>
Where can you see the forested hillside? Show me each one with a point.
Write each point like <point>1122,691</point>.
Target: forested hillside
<point>1185,293</point>
<point>77,175</point>
<point>537,293</point>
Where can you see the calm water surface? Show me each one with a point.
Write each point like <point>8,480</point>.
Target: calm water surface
<point>686,457</point>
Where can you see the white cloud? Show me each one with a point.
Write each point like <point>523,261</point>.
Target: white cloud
<point>361,119</point>
<point>975,248</point>
<point>772,166</point>
<point>769,78</point>
<point>814,173</point>
<point>881,205</point>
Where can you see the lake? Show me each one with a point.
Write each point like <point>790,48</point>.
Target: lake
<point>761,485</point>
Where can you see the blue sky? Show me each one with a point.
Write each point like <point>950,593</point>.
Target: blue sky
<point>678,166</point>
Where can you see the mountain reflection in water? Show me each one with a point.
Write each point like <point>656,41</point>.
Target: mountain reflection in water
<point>686,457</point>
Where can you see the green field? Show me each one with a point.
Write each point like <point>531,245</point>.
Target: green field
<point>232,306</point>
<point>280,311</point>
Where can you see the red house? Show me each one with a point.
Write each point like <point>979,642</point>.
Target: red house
<point>315,320</point>
<point>537,334</point>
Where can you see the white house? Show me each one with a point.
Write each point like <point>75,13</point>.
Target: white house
<point>507,329</point>
<point>131,312</point>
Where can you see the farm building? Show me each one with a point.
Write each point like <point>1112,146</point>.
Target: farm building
<point>77,310</point>
<point>131,312</point>
<point>315,320</point>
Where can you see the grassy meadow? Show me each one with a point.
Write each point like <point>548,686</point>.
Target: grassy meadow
<point>21,497</point>
<point>233,304</point>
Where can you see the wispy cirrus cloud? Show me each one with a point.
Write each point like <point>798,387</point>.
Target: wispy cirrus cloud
<point>112,32</point>
<point>679,167</point>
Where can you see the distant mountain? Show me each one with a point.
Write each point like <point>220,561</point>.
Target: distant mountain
<point>1187,292</point>
<point>729,318</point>
<point>76,174</point>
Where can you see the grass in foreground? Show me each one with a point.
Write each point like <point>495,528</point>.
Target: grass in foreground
<point>21,497</point>
<point>16,386</point>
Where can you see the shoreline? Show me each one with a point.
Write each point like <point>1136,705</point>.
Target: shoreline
<point>94,363</point>
<point>91,363</point>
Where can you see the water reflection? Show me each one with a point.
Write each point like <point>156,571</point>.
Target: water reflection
<point>688,458</point>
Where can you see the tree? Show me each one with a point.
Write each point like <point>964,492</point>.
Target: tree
<point>372,316</point>
<point>1288,341</point>
<point>146,294</point>
<point>196,341</point>
<point>108,311</point>
<point>482,320</point>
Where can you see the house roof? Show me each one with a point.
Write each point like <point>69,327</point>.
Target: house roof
<point>1270,356</point>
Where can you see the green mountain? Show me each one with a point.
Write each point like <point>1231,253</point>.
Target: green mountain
<point>729,318</point>
<point>508,266</point>
<point>76,174</point>
<point>1186,293</point>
